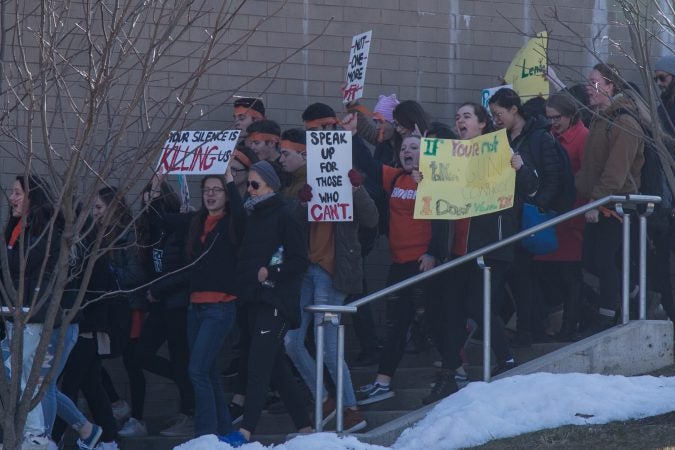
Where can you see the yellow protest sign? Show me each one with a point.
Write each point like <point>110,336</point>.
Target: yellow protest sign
<point>465,178</point>
<point>526,72</point>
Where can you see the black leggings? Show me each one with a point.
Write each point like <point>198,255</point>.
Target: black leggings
<point>267,360</point>
<point>401,311</point>
<point>602,243</point>
<point>136,380</point>
<point>170,325</point>
<point>461,297</point>
<point>83,372</point>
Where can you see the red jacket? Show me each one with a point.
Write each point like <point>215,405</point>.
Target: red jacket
<point>570,233</point>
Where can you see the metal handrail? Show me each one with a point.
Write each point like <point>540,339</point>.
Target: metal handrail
<point>330,313</point>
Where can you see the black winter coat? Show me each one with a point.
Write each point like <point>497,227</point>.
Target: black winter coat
<point>540,179</point>
<point>213,266</point>
<point>270,226</point>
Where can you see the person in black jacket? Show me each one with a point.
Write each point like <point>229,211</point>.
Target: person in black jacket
<point>271,262</point>
<point>162,253</point>
<point>539,179</point>
<point>30,239</point>
<point>106,321</point>
<point>213,236</point>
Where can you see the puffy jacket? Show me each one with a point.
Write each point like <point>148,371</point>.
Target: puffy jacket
<point>540,179</point>
<point>269,226</point>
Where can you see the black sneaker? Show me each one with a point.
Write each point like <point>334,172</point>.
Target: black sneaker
<point>373,393</point>
<point>444,386</point>
<point>236,413</point>
<point>504,367</point>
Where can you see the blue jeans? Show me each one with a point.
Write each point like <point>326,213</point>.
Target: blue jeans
<point>207,326</point>
<point>54,402</point>
<point>317,288</point>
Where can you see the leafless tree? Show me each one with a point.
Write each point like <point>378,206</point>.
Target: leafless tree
<point>90,90</point>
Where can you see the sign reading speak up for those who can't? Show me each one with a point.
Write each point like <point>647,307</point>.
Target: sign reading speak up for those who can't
<point>329,159</point>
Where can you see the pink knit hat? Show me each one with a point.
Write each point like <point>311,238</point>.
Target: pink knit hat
<point>385,106</point>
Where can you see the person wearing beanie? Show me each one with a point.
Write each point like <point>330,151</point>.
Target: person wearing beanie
<point>271,262</point>
<point>664,76</point>
<point>246,111</point>
<point>267,173</point>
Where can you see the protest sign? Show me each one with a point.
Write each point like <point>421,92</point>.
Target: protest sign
<point>356,69</point>
<point>465,178</point>
<point>198,152</point>
<point>329,159</point>
<point>489,92</point>
<point>527,70</point>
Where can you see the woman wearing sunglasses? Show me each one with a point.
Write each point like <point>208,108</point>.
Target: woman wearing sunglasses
<point>270,265</point>
<point>213,236</point>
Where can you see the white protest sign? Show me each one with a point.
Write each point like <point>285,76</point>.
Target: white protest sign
<point>197,152</point>
<point>489,92</point>
<point>329,159</point>
<point>356,69</point>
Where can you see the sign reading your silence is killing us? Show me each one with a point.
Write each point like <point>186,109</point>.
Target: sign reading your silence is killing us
<point>197,152</point>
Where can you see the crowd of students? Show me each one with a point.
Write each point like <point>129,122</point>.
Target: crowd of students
<point>247,262</point>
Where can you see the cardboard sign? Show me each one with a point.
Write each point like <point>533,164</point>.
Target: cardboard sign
<point>527,70</point>
<point>329,159</point>
<point>198,152</point>
<point>356,69</point>
<point>489,92</point>
<point>465,178</point>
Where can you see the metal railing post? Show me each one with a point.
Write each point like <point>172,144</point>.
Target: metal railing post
<point>318,401</point>
<point>487,318</point>
<point>340,378</point>
<point>649,209</point>
<point>625,265</point>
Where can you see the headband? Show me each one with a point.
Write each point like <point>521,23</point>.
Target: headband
<point>256,136</point>
<point>242,158</point>
<point>295,146</point>
<point>321,121</point>
<point>248,111</point>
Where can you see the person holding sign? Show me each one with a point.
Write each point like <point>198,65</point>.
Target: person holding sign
<point>462,292</point>
<point>415,245</point>
<point>539,181</point>
<point>335,271</point>
<point>270,264</point>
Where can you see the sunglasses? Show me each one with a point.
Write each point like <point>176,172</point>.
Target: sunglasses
<point>253,184</point>
<point>661,78</point>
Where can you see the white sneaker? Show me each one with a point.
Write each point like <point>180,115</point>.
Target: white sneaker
<point>182,426</point>
<point>133,428</point>
<point>121,410</point>
<point>31,442</point>
<point>107,446</point>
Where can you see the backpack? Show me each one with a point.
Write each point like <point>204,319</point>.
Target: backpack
<point>564,200</point>
<point>652,176</point>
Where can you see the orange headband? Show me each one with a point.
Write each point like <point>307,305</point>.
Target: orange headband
<point>295,146</point>
<point>249,112</point>
<point>245,160</point>
<point>320,122</point>
<point>255,136</point>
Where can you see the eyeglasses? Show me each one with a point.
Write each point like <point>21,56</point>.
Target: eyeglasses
<point>253,184</point>
<point>235,170</point>
<point>498,115</point>
<point>661,78</point>
<point>215,190</point>
<point>555,118</point>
